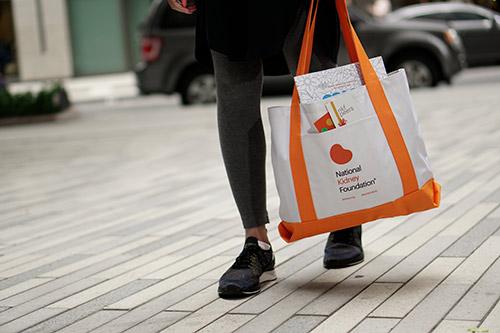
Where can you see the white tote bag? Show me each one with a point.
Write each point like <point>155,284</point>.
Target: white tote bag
<point>372,167</point>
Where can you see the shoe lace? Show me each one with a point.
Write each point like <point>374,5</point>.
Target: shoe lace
<point>248,258</point>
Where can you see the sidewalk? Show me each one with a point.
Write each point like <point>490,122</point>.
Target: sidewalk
<point>122,220</point>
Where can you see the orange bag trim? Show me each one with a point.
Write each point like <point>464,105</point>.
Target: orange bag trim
<point>428,197</point>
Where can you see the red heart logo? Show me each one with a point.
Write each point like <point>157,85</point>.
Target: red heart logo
<point>340,155</point>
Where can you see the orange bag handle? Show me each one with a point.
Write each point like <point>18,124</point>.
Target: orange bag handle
<point>379,100</point>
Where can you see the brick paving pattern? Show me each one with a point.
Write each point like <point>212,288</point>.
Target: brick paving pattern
<point>121,220</point>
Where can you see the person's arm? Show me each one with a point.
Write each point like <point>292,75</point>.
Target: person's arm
<point>182,6</point>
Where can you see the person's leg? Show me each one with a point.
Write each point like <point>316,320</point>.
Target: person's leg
<point>242,140</point>
<point>243,146</point>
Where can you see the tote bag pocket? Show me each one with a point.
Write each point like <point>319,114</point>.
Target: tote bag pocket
<point>347,171</point>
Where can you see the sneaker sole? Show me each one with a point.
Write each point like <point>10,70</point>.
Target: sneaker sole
<point>343,264</point>
<point>234,291</point>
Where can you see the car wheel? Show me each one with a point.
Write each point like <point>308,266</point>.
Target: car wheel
<point>197,87</point>
<point>421,71</point>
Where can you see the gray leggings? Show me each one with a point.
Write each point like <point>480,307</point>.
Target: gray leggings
<point>241,134</point>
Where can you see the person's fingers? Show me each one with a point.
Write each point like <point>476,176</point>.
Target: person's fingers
<point>178,7</point>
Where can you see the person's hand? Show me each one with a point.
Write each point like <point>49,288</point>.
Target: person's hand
<point>177,6</point>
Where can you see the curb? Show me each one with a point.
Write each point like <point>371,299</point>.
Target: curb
<point>69,113</point>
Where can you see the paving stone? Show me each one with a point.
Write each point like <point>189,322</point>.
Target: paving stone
<point>91,260</point>
<point>86,233</point>
<point>91,246</point>
<point>161,243</point>
<point>29,320</point>
<point>23,286</point>
<point>347,317</point>
<point>457,181</point>
<point>299,324</point>
<point>198,300</point>
<point>375,325</point>
<point>473,238</point>
<point>480,298</point>
<point>454,326</point>
<point>227,323</point>
<point>157,322</point>
<point>57,284</point>
<point>194,259</point>
<point>168,284</point>
<point>434,307</point>
<point>406,298</point>
<point>343,292</point>
<point>151,308</point>
<point>38,271</point>
<point>158,222</point>
<point>496,213</point>
<point>86,308</point>
<point>492,321</point>
<point>47,258</point>
<point>417,260</point>
<point>18,262</point>
<point>38,303</point>
<point>92,321</point>
<point>494,197</point>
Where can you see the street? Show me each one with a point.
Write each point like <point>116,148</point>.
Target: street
<point>121,219</point>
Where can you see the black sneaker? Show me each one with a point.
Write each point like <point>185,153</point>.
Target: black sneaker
<point>343,248</point>
<point>252,267</point>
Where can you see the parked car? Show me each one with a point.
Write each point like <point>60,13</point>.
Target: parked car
<point>478,27</point>
<point>430,52</point>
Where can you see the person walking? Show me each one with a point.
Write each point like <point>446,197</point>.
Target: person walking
<point>243,41</point>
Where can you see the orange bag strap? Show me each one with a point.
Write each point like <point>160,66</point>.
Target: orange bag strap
<point>379,100</point>
<point>297,163</point>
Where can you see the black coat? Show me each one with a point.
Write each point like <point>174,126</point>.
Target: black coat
<point>250,29</point>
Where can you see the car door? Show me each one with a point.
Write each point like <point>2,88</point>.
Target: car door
<point>478,35</point>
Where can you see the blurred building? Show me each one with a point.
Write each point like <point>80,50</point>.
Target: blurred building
<point>65,38</point>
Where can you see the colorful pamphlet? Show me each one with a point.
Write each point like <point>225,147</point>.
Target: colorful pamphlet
<point>320,85</point>
<point>324,85</point>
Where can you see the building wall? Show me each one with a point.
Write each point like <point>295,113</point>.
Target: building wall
<point>42,39</point>
<point>97,36</point>
<point>64,38</point>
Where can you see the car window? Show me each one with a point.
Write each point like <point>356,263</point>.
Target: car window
<point>461,16</point>
<point>434,16</point>
<point>170,19</point>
